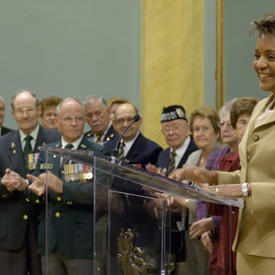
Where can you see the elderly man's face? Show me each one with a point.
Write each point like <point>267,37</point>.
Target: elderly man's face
<point>175,132</point>
<point>124,115</point>
<point>25,112</point>
<point>97,117</point>
<point>2,113</point>
<point>71,120</point>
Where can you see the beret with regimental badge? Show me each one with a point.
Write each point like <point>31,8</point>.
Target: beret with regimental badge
<point>173,112</point>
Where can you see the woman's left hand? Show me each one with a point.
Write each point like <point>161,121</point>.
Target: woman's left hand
<point>226,190</point>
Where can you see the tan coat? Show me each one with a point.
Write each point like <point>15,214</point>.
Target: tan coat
<point>256,225</point>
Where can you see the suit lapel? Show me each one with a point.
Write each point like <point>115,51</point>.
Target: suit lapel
<point>15,152</point>
<point>134,150</point>
<point>40,141</point>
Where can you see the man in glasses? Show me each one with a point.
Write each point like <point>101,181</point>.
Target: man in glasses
<point>134,147</point>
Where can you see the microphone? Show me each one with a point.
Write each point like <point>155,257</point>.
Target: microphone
<point>116,148</point>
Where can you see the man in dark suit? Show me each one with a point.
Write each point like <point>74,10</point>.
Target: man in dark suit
<point>98,118</point>
<point>3,130</point>
<point>176,132</point>
<point>134,147</point>
<point>18,155</point>
<point>70,218</point>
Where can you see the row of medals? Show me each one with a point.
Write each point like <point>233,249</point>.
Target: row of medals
<point>72,172</point>
<point>78,172</point>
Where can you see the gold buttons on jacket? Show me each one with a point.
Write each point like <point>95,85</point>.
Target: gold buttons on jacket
<point>69,202</point>
<point>59,199</point>
<point>37,201</point>
<point>57,214</point>
<point>27,199</point>
<point>256,138</point>
<point>25,217</point>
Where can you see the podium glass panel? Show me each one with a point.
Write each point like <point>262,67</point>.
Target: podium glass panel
<point>111,218</point>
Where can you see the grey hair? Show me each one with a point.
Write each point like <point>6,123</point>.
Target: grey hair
<point>59,106</point>
<point>33,94</point>
<point>226,108</point>
<point>93,98</point>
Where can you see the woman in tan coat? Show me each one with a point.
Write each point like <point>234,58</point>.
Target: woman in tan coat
<point>255,182</point>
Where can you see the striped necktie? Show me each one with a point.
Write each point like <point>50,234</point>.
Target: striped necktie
<point>121,151</point>
<point>172,162</point>
<point>98,138</point>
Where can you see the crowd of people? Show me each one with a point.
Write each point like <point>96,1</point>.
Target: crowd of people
<point>209,148</point>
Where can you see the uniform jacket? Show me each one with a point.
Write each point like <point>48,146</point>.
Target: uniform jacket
<point>70,223</point>
<point>14,210</point>
<point>256,223</point>
<point>142,152</point>
<point>5,130</point>
<point>110,135</point>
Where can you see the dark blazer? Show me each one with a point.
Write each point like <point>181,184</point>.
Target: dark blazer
<point>70,223</point>
<point>164,156</point>
<point>142,152</point>
<point>111,135</point>
<point>14,210</point>
<point>5,130</point>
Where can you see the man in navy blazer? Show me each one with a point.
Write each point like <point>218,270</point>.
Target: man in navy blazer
<point>175,129</point>
<point>137,149</point>
<point>18,218</point>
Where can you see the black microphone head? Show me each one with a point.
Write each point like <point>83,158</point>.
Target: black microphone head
<point>136,118</point>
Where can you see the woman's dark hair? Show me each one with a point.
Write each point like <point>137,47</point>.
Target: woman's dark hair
<point>265,26</point>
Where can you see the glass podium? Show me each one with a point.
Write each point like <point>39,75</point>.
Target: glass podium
<point>112,217</point>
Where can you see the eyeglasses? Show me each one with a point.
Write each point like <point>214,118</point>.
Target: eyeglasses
<point>123,120</point>
<point>168,129</point>
<point>21,111</point>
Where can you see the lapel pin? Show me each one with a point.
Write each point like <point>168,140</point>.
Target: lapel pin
<point>12,145</point>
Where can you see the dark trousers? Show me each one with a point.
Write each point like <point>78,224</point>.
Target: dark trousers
<point>13,262</point>
<point>25,261</point>
<point>56,264</point>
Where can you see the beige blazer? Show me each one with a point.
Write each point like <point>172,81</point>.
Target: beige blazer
<point>256,224</point>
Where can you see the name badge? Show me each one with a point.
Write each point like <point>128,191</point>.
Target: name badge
<point>44,166</point>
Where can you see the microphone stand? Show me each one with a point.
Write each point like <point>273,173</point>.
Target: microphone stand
<point>116,148</point>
